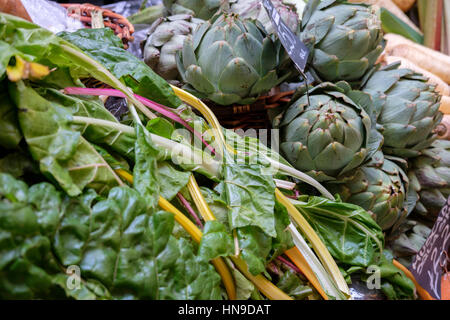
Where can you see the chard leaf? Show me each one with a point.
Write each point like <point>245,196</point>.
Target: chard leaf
<point>394,283</point>
<point>348,231</point>
<point>145,175</point>
<point>255,247</point>
<point>283,240</point>
<point>122,250</point>
<point>217,205</point>
<point>28,268</point>
<point>64,156</point>
<point>195,278</point>
<point>11,189</point>
<point>131,252</point>
<point>88,289</point>
<point>6,52</point>
<point>102,45</point>
<point>10,134</point>
<point>292,285</point>
<point>171,179</point>
<point>18,164</point>
<point>161,127</point>
<point>118,141</point>
<point>250,195</point>
<point>46,202</point>
<point>244,288</point>
<point>216,241</point>
<point>115,162</point>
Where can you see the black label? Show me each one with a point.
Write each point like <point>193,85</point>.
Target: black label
<point>429,262</point>
<point>295,48</point>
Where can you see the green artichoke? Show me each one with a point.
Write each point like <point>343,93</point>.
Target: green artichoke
<point>345,38</point>
<point>202,9</point>
<point>254,9</point>
<point>166,37</point>
<point>330,136</point>
<point>231,60</point>
<point>380,187</point>
<point>407,108</point>
<point>430,178</point>
<point>412,237</point>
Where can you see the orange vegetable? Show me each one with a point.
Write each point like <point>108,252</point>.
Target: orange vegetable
<point>423,294</point>
<point>445,286</point>
<point>405,5</point>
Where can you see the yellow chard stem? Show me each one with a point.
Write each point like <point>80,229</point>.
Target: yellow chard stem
<point>317,244</point>
<point>271,291</point>
<point>195,233</point>
<point>297,258</point>
<point>206,112</point>
<point>267,288</point>
<point>199,201</point>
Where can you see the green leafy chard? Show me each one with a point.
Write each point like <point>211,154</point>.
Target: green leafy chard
<point>10,134</point>
<point>110,138</point>
<point>348,231</point>
<point>250,195</point>
<point>64,156</point>
<point>145,177</point>
<point>103,46</point>
<point>121,249</point>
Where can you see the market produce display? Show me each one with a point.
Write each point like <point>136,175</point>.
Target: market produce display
<point>114,167</point>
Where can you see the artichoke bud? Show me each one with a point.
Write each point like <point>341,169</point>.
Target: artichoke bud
<point>336,133</point>
<point>345,38</point>
<point>430,179</point>
<point>408,113</point>
<point>230,60</point>
<point>166,38</point>
<point>254,9</point>
<point>380,187</point>
<point>202,9</point>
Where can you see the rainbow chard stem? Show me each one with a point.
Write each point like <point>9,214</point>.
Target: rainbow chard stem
<point>165,111</point>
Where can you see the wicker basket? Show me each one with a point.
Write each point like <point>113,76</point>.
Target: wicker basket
<point>251,116</point>
<point>119,24</point>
